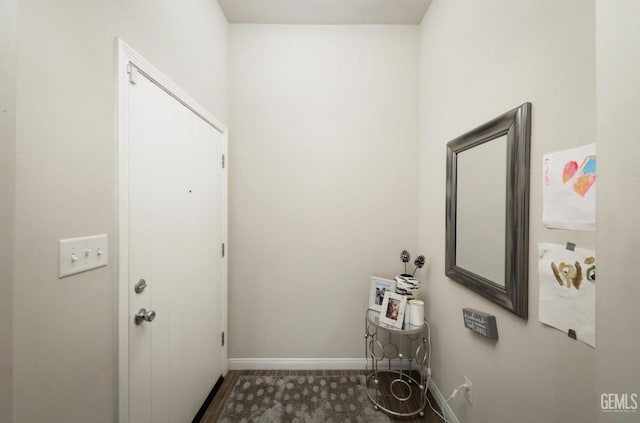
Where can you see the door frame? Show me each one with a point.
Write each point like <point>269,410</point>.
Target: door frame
<point>128,60</point>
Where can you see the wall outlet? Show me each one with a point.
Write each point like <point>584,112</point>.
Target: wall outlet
<point>468,392</point>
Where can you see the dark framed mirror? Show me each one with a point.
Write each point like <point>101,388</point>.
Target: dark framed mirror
<point>487,215</point>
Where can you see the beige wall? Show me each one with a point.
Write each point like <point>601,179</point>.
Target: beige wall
<point>478,60</point>
<point>618,94</point>
<point>323,182</point>
<point>7,200</point>
<point>186,40</point>
<point>64,330</point>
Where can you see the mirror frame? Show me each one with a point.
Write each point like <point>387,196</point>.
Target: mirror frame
<point>516,125</point>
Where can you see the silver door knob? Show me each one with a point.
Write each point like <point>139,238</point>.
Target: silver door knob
<point>144,315</point>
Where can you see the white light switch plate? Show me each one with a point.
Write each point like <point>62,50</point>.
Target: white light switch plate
<point>81,254</point>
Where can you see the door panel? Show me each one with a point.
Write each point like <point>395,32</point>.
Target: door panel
<point>175,237</point>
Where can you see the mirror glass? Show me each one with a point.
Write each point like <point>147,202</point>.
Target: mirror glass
<point>481,200</point>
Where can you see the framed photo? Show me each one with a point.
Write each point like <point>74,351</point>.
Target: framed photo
<point>393,308</point>
<point>376,293</point>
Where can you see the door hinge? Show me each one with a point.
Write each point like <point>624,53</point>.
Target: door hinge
<point>133,73</point>
<point>223,249</point>
<point>223,339</point>
<point>223,161</point>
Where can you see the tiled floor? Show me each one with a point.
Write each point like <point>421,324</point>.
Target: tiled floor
<point>217,405</point>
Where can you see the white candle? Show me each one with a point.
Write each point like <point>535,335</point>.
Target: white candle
<point>416,308</point>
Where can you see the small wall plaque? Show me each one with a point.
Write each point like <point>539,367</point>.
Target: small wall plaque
<point>481,323</point>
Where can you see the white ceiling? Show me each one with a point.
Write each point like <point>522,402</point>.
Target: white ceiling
<point>325,11</point>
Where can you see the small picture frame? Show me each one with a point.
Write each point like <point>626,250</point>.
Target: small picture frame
<point>393,308</point>
<point>376,292</point>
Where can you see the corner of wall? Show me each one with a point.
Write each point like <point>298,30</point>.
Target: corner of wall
<point>618,107</point>
<point>8,14</point>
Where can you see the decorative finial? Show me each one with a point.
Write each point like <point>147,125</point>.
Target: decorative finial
<point>405,257</point>
<point>419,262</point>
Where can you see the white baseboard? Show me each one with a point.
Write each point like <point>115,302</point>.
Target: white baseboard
<point>296,363</point>
<point>442,402</point>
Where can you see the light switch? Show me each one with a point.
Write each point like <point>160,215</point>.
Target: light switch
<point>81,254</point>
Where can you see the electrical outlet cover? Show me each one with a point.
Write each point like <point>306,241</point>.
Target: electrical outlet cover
<point>468,392</point>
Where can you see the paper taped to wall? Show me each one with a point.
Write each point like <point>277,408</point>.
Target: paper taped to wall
<point>567,290</point>
<point>569,189</point>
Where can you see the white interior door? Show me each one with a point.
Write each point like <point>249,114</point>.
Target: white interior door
<point>175,221</point>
